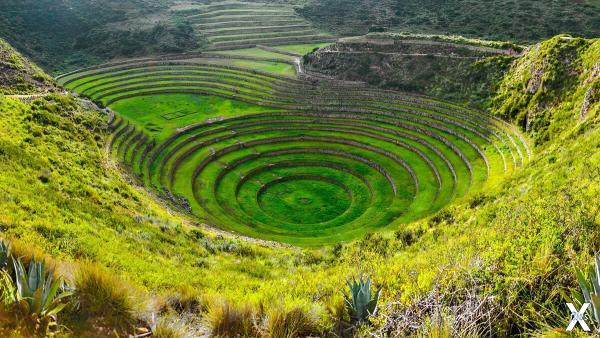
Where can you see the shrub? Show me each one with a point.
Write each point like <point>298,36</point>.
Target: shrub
<point>227,320</point>
<point>186,299</point>
<point>289,324</point>
<point>104,298</point>
<point>361,304</point>
<point>442,216</point>
<point>408,237</point>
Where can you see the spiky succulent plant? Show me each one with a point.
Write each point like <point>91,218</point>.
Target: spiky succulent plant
<point>38,293</point>
<point>361,302</point>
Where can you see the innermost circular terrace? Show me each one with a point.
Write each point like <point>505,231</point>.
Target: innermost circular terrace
<point>304,199</point>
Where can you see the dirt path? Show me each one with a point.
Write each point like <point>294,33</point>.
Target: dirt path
<point>26,97</point>
<point>402,54</point>
<point>32,96</point>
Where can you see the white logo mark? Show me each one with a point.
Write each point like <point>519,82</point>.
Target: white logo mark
<point>577,317</point>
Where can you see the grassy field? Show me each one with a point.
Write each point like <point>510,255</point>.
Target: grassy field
<point>148,111</point>
<point>302,49</point>
<point>257,52</point>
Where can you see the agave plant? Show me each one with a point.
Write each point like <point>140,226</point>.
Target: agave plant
<point>37,294</point>
<point>361,303</point>
<point>590,293</point>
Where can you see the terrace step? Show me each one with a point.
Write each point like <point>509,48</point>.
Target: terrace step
<point>240,5</point>
<point>261,36</point>
<point>251,30</point>
<point>242,18</point>
<point>234,12</point>
<point>253,22</point>
<point>275,41</point>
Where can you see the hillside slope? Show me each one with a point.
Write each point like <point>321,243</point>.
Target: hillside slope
<point>555,85</point>
<point>18,76</point>
<point>495,257</point>
<point>447,67</point>
<point>523,21</point>
<point>63,34</point>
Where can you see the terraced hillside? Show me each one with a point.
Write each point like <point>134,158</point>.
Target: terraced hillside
<point>302,160</point>
<point>232,25</point>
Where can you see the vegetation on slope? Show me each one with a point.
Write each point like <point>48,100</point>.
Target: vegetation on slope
<point>67,34</point>
<point>522,21</point>
<point>18,76</point>
<point>235,25</point>
<point>447,67</point>
<point>555,84</point>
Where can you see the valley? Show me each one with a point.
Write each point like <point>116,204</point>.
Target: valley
<point>297,168</point>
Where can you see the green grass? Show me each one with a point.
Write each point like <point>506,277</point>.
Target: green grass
<point>146,111</point>
<point>303,48</point>
<point>265,66</point>
<point>256,52</point>
<point>303,200</point>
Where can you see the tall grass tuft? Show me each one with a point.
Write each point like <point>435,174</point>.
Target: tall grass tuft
<point>167,328</point>
<point>290,324</point>
<point>109,301</point>
<point>177,326</point>
<point>228,320</point>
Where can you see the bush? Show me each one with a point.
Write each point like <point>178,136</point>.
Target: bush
<point>443,216</point>
<point>408,237</point>
<point>185,300</point>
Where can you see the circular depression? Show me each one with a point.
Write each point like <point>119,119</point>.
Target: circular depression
<point>304,199</point>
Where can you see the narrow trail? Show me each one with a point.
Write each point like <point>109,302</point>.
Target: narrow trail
<point>482,49</point>
<point>403,54</point>
<point>25,97</point>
